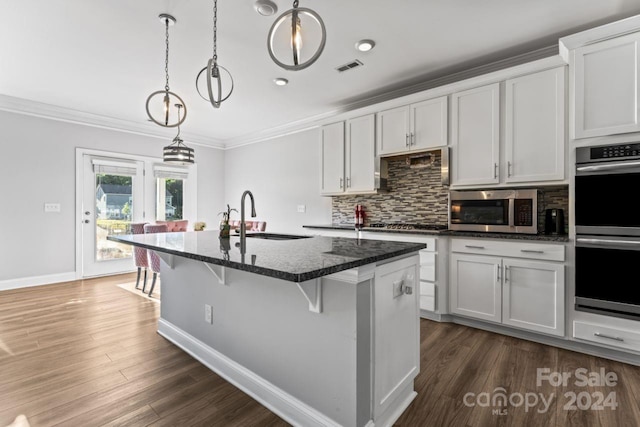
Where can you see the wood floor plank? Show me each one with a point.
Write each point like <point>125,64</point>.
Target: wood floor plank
<point>86,353</point>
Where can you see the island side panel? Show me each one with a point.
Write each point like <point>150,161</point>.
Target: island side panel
<point>264,324</point>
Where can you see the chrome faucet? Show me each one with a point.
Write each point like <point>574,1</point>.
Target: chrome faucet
<point>243,225</point>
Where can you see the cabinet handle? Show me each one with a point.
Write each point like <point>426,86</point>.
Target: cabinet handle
<point>599,335</point>
<point>509,169</point>
<point>506,275</point>
<point>406,140</point>
<point>413,139</point>
<point>473,247</point>
<point>531,251</point>
<point>498,278</point>
<point>341,186</point>
<point>348,182</point>
<point>495,170</point>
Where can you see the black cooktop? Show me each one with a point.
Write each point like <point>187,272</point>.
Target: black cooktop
<point>407,226</point>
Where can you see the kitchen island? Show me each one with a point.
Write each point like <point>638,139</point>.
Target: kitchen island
<point>322,331</point>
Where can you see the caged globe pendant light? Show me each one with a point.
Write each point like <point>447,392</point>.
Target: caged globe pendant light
<point>297,38</point>
<point>160,112</point>
<point>176,152</point>
<point>213,72</point>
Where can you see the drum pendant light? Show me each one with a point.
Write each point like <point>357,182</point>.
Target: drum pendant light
<point>297,38</point>
<point>213,72</point>
<point>177,152</point>
<point>159,103</point>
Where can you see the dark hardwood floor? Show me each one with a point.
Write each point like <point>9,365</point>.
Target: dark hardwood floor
<point>86,353</point>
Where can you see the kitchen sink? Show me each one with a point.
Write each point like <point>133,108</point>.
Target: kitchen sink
<point>274,236</point>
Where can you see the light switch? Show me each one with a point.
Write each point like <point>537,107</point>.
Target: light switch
<point>52,207</point>
<point>302,208</point>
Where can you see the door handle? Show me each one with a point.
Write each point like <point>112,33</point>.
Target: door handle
<point>87,213</point>
<point>86,221</point>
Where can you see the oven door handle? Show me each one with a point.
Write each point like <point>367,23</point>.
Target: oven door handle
<point>608,243</point>
<point>607,166</point>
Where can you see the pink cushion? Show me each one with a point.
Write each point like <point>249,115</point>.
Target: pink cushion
<point>154,259</point>
<point>178,225</point>
<point>251,225</point>
<point>140,254</point>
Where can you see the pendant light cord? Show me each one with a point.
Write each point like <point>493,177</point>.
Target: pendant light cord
<point>166,58</point>
<point>215,31</point>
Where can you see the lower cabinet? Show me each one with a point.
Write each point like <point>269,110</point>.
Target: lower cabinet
<point>520,290</point>
<point>396,332</point>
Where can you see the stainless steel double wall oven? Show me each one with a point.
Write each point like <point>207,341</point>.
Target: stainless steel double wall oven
<point>607,192</point>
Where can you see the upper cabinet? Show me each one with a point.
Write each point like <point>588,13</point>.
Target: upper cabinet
<point>605,81</point>
<point>419,126</point>
<point>532,149</point>
<point>348,157</point>
<point>534,126</point>
<point>475,136</point>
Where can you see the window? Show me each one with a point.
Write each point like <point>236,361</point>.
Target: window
<point>170,192</point>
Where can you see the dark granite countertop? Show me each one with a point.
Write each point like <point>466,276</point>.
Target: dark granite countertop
<point>295,260</point>
<point>452,233</point>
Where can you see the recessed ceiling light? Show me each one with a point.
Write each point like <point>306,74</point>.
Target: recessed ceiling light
<point>365,45</point>
<point>265,7</point>
<point>281,81</point>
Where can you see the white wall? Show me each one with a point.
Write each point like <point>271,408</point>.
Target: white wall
<point>281,173</point>
<point>37,165</point>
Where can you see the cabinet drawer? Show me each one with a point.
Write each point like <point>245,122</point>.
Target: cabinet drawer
<point>427,289</point>
<point>428,266</point>
<point>427,303</point>
<point>530,250</point>
<point>608,336</point>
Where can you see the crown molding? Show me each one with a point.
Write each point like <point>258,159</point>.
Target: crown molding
<point>541,58</point>
<point>38,109</point>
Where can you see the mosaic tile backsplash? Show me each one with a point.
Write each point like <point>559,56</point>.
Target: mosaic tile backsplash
<point>413,196</point>
<point>418,196</point>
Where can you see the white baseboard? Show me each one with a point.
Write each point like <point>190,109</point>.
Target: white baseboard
<point>25,282</point>
<point>275,399</point>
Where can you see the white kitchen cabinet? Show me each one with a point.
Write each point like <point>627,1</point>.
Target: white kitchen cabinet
<point>396,331</point>
<point>534,127</point>
<point>606,88</point>
<point>416,127</point>
<point>475,287</point>
<point>348,156</point>
<point>475,137</point>
<point>533,295</point>
<point>516,284</point>
<point>332,158</point>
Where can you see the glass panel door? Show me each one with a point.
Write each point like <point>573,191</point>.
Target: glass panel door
<point>112,200</point>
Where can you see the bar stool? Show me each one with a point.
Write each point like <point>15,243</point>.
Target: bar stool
<point>154,259</point>
<point>140,258</point>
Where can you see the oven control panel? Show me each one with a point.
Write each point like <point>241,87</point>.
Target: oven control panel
<point>615,151</point>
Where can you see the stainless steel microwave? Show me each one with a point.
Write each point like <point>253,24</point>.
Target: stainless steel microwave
<point>495,211</point>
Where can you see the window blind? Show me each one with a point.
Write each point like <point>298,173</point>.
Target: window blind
<point>170,172</point>
<point>114,167</point>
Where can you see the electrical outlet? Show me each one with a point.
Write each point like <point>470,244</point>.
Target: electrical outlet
<point>52,207</point>
<point>302,208</point>
<point>208,314</point>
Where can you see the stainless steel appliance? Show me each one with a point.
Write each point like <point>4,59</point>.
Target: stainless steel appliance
<point>607,229</point>
<point>501,211</point>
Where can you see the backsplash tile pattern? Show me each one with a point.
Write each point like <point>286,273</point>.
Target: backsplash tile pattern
<point>414,196</point>
<point>418,196</point>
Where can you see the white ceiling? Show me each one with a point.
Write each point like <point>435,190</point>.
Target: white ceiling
<point>105,57</point>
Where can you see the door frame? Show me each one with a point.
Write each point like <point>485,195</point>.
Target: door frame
<point>191,193</point>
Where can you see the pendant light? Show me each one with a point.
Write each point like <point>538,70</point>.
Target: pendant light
<point>213,72</point>
<point>177,152</point>
<point>297,38</point>
<point>159,103</point>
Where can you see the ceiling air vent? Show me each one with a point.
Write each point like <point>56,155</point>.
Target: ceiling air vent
<point>349,66</point>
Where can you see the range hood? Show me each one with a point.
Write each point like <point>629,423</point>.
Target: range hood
<point>418,160</point>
